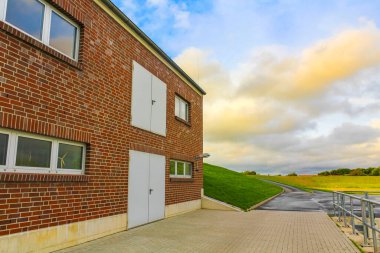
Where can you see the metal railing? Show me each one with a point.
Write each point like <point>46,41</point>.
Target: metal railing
<point>361,209</point>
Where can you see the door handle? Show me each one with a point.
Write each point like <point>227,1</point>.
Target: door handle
<point>150,191</point>
<point>153,101</point>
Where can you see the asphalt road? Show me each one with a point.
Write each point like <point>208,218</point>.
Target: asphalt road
<point>294,199</point>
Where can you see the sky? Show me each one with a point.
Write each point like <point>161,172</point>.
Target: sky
<point>292,85</point>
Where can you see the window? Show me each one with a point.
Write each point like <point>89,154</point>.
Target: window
<point>69,157</point>
<point>181,109</point>
<point>26,15</point>
<point>41,21</point>
<point>33,152</point>
<point>180,169</point>
<point>62,35</point>
<point>3,148</point>
<point>29,153</point>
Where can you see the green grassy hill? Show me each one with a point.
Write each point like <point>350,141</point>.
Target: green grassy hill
<point>235,188</point>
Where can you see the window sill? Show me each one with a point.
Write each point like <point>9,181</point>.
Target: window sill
<point>39,45</point>
<point>181,180</point>
<point>183,121</point>
<point>32,177</point>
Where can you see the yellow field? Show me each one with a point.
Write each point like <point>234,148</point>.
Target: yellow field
<point>330,183</point>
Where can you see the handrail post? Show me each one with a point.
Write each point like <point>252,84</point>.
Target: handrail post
<point>344,210</point>
<point>352,217</point>
<point>339,200</point>
<point>372,222</point>
<point>364,222</point>
<point>334,204</point>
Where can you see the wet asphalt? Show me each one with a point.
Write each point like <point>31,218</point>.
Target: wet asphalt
<point>294,199</point>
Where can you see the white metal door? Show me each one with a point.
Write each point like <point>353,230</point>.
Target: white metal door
<point>157,188</point>
<point>138,187</point>
<point>158,122</point>
<point>141,97</point>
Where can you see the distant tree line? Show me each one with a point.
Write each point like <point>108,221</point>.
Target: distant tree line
<point>352,172</point>
<point>249,172</point>
<point>253,173</point>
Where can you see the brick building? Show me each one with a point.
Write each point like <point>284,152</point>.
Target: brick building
<point>100,131</point>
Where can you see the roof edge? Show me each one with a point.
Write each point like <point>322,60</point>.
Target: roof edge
<point>148,40</point>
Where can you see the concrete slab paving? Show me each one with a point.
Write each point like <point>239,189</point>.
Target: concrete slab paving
<point>209,231</point>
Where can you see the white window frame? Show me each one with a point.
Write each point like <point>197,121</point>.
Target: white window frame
<point>45,26</point>
<point>8,153</point>
<point>12,154</point>
<point>181,103</point>
<point>184,164</point>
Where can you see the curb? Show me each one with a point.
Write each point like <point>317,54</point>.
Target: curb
<point>221,203</point>
<point>265,201</point>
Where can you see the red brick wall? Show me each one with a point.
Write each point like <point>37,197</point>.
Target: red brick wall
<point>43,92</point>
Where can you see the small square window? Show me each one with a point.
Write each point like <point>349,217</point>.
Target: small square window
<point>180,169</point>
<point>69,157</point>
<point>181,109</point>
<point>3,148</point>
<point>27,15</point>
<point>40,20</point>
<point>33,153</point>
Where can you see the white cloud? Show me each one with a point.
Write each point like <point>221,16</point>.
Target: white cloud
<point>157,3</point>
<point>261,114</point>
<point>181,17</point>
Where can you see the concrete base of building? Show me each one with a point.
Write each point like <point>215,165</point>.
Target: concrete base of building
<point>213,204</point>
<point>63,236</point>
<point>181,208</point>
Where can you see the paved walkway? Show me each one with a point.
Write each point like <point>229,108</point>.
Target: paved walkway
<point>209,231</point>
<point>294,199</point>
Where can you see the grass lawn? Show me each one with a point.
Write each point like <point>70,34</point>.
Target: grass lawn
<point>235,188</point>
<point>329,183</point>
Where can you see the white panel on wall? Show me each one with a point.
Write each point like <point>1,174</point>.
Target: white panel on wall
<point>141,97</point>
<point>2,9</point>
<point>158,122</point>
<point>157,187</point>
<point>138,186</point>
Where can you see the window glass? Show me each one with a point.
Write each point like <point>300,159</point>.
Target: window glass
<point>33,153</point>
<point>188,169</point>
<point>183,110</point>
<point>180,168</point>
<point>62,35</point>
<point>186,112</point>
<point>172,167</point>
<point>176,106</point>
<point>3,148</point>
<point>69,157</point>
<point>27,15</point>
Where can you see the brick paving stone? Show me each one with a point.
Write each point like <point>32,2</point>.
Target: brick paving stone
<point>211,231</point>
